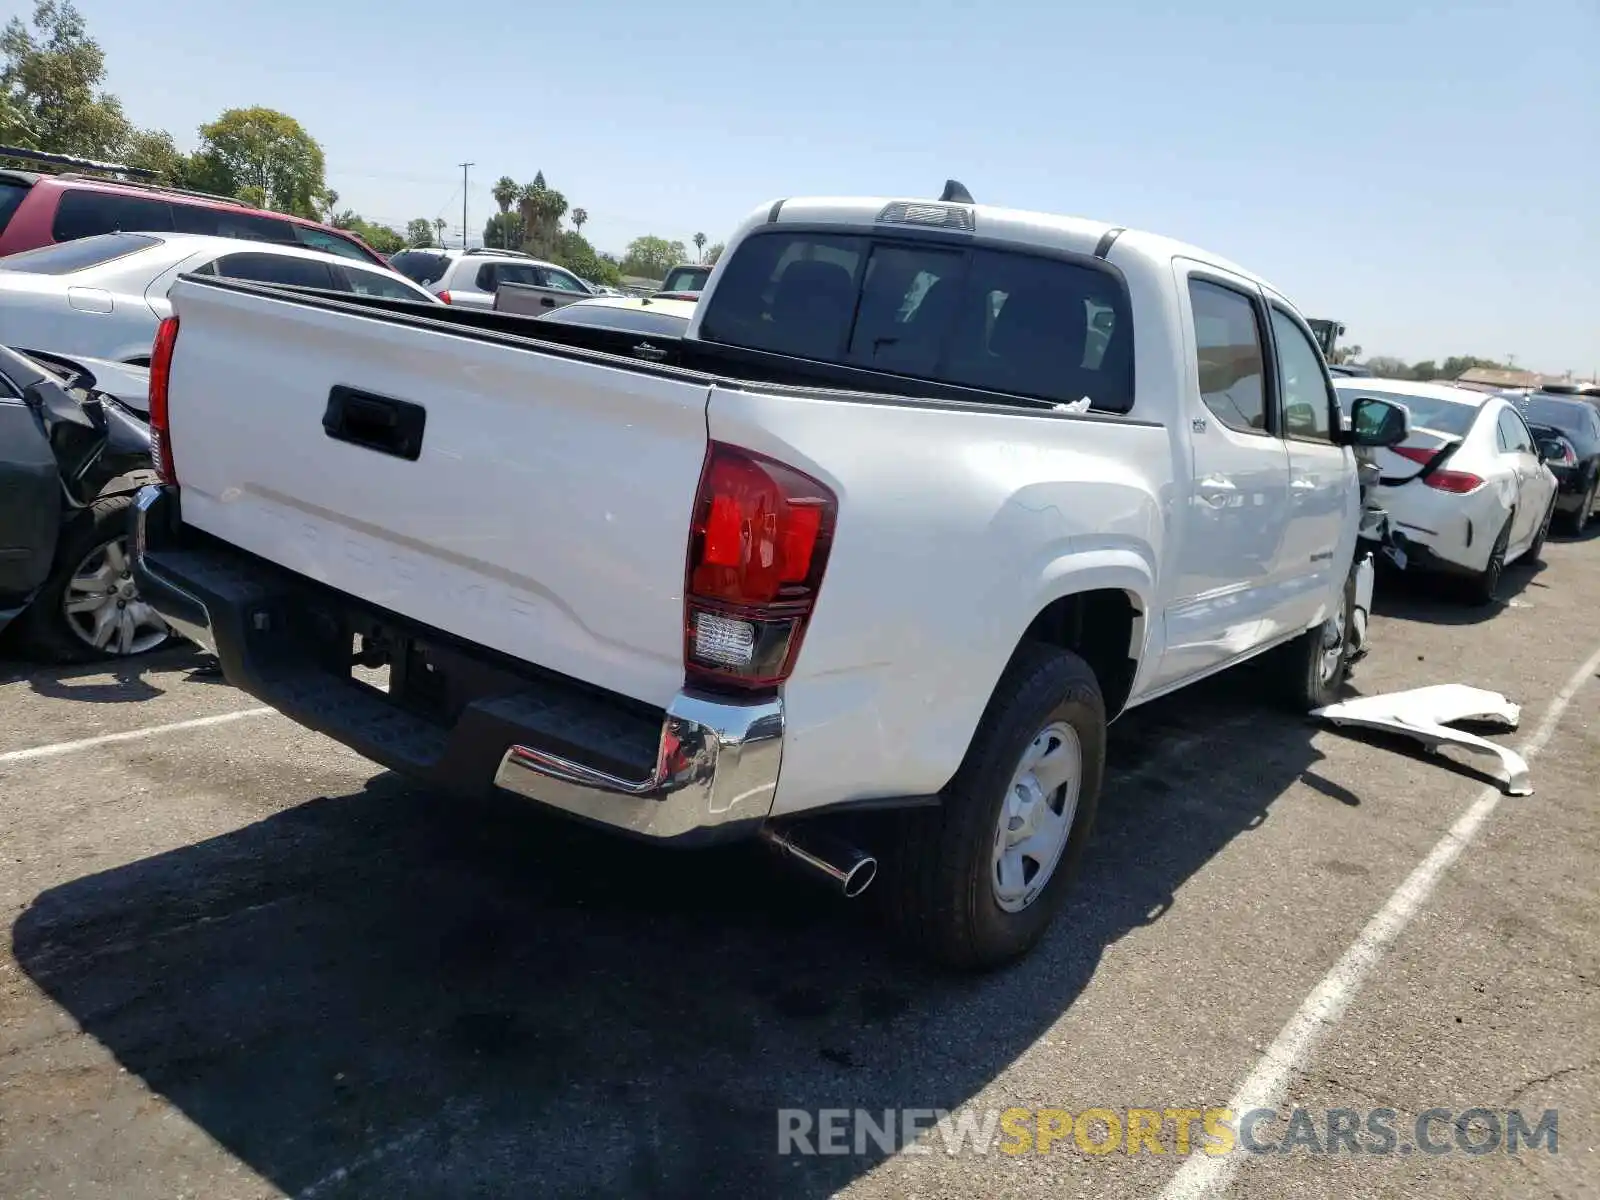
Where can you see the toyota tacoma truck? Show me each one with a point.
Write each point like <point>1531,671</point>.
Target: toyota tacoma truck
<point>860,564</point>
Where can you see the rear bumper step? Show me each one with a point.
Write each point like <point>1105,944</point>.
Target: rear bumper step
<point>458,716</point>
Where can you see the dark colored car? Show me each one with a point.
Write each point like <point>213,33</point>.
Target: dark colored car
<point>39,210</point>
<point>72,458</point>
<point>1567,429</point>
<point>684,282</point>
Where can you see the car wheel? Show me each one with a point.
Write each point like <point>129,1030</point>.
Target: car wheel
<point>1485,586</point>
<point>1537,549</point>
<point>89,609</point>
<point>1311,670</point>
<point>975,882</point>
<point>1580,518</point>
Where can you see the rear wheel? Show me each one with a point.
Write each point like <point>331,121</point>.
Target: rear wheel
<point>1580,519</point>
<point>1535,550</point>
<point>1483,587</point>
<point>975,882</point>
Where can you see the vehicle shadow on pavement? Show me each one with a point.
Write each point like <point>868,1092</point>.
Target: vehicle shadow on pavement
<point>112,682</point>
<point>391,994</point>
<point>1438,599</point>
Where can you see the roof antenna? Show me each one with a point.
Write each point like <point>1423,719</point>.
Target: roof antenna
<point>956,193</point>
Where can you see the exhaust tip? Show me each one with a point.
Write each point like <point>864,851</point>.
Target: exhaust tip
<point>824,857</point>
<point>860,877</point>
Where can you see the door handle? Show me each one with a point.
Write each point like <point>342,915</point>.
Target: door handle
<point>547,302</point>
<point>379,423</point>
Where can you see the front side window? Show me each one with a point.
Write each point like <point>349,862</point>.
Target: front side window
<point>1232,366</point>
<point>79,255</point>
<point>562,282</point>
<point>276,268</point>
<point>1001,321</point>
<point>1308,402</point>
<point>82,212</point>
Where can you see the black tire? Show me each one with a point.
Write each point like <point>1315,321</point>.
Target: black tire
<point>1536,551</point>
<point>937,887</point>
<point>1483,587</point>
<point>1579,521</point>
<point>1299,668</point>
<point>44,628</point>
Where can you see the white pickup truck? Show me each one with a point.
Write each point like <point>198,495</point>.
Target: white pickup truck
<point>862,564</point>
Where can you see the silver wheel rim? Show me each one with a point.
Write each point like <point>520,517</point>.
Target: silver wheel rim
<point>1333,643</point>
<point>1036,817</point>
<point>102,605</point>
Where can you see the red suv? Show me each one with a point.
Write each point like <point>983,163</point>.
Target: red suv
<point>36,210</point>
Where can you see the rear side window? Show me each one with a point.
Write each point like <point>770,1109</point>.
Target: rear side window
<point>12,194</point>
<point>276,268</point>
<point>420,266</point>
<point>492,275</point>
<point>83,213</point>
<point>1001,321</point>
<point>1232,366</point>
<point>232,223</point>
<point>63,258</point>
<point>328,243</point>
<point>374,283</point>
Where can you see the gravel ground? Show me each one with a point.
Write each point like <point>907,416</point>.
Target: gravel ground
<point>243,962</point>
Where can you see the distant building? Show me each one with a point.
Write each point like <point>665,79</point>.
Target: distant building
<point>1492,379</point>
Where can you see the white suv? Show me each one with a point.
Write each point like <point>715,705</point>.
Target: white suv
<point>471,277</point>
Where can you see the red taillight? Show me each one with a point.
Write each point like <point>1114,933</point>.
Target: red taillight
<point>444,297</point>
<point>160,375</point>
<point>758,545</point>
<point>1459,482</point>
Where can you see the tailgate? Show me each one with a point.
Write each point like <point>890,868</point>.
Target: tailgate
<point>534,504</point>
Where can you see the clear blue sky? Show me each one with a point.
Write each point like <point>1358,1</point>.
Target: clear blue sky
<point>1428,173</point>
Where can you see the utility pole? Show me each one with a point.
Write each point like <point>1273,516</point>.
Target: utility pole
<point>464,167</point>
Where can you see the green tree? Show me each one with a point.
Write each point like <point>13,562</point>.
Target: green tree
<point>505,192</point>
<point>579,216</point>
<point>572,251</point>
<point>419,232</point>
<point>154,150</point>
<point>50,93</point>
<point>504,230</point>
<point>269,152</point>
<point>330,204</point>
<point>1425,370</point>
<point>438,228</point>
<point>700,246</point>
<point>715,253</point>
<point>541,209</point>
<point>1386,367</point>
<point>1458,365</point>
<point>380,237</point>
<point>652,257</point>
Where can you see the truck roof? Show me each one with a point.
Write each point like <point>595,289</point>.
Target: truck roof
<point>1076,235</point>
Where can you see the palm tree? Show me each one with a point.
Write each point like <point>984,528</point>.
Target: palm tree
<point>579,216</point>
<point>330,204</point>
<point>505,192</point>
<point>699,245</point>
<point>438,225</point>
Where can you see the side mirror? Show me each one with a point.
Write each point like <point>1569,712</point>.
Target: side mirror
<point>1375,422</point>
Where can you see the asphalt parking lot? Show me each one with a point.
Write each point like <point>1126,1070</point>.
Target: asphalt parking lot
<point>240,961</point>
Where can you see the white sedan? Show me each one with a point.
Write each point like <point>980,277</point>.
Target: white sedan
<point>103,296</point>
<point>1467,488</point>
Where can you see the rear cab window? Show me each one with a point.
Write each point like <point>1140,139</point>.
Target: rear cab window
<point>1014,322</point>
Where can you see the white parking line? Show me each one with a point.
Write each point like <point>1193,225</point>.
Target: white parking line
<point>1201,1175</point>
<point>130,735</point>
